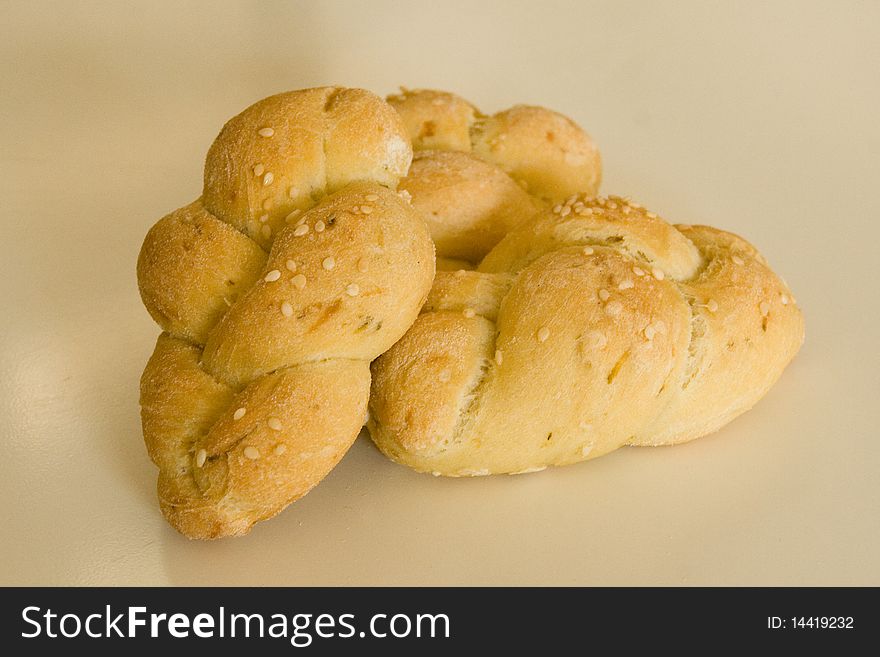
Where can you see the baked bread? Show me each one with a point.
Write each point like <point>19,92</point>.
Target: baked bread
<point>474,178</point>
<point>297,267</point>
<point>594,325</point>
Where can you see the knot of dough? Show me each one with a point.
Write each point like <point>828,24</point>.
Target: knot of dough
<point>296,268</point>
<point>475,178</point>
<point>593,325</point>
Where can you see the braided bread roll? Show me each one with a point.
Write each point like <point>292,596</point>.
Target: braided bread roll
<point>474,178</point>
<point>297,267</point>
<point>593,325</point>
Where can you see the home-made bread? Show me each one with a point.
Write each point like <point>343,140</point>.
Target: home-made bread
<point>297,266</point>
<point>468,204</point>
<point>475,177</point>
<point>591,326</point>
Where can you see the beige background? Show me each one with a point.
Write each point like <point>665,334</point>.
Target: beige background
<point>758,117</point>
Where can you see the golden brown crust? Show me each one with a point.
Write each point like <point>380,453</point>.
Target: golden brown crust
<point>591,327</point>
<point>545,151</point>
<point>317,141</point>
<point>357,286</point>
<point>745,326</point>
<point>584,220</point>
<point>216,261</point>
<point>298,423</point>
<point>478,177</point>
<point>261,383</point>
<point>439,362</point>
<point>468,204</point>
<point>468,292</point>
<point>435,120</point>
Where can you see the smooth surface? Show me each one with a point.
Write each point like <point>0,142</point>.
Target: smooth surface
<point>760,119</point>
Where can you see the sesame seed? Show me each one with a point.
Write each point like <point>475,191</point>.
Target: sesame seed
<point>588,250</point>
<point>557,209</point>
<point>258,170</point>
<point>660,326</point>
<point>626,209</point>
<point>469,312</point>
<point>268,179</point>
<point>201,456</point>
<point>649,332</point>
<point>292,192</point>
<point>444,376</point>
<point>581,211</point>
<point>598,339</point>
<point>565,211</point>
<point>638,271</point>
<point>764,307</point>
<point>571,199</point>
<point>635,205</point>
<point>362,265</point>
<point>299,281</point>
<point>264,218</point>
<point>301,220</point>
<point>301,230</point>
<point>543,334</point>
<point>280,449</point>
<point>272,276</point>
<point>266,230</point>
<point>366,209</point>
<point>405,195</point>
<point>267,204</point>
<point>658,273</point>
<point>614,308</point>
<point>625,285</point>
<point>604,295</point>
<point>328,263</point>
<point>712,305</point>
<point>650,215</point>
<point>737,260</point>
<point>319,226</point>
<point>293,215</point>
<point>589,210</point>
<point>499,357</point>
<point>586,449</point>
<point>684,227</point>
<point>239,413</point>
<point>291,265</point>
<point>251,452</point>
<point>275,424</point>
<point>265,132</point>
<point>286,309</point>
<point>353,290</point>
<point>784,299</point>
<point>612,206</point>
<point>371,197</point>
<point>460,272</point>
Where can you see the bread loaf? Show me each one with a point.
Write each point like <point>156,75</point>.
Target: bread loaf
<point>593,325</point>
<point>297,266</point>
